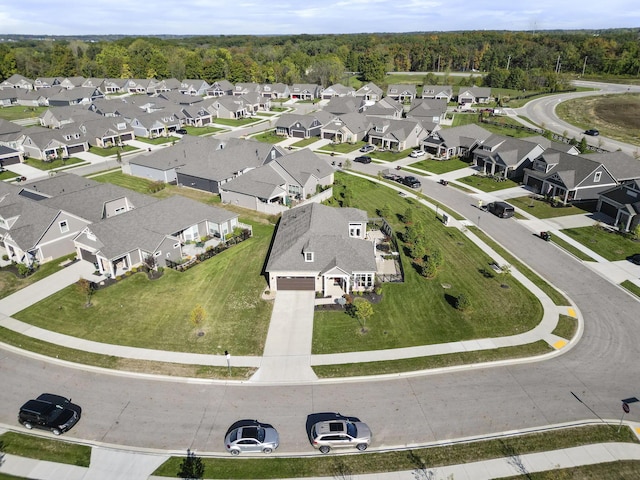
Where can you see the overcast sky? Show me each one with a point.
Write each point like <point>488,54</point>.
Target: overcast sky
<point>209,17</point>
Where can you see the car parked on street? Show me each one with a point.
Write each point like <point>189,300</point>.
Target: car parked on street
<point>49,412</point>
<point>592,131</point>
<point>412,182</point>
<point>417,153</point>
<point>251,436</point>
<point>367,148</point>
<point>501,209</point>
<point>340,432</point>
<point>363,159</point>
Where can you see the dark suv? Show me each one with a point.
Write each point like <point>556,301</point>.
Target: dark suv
<point>49,412</point>
<point>412,182</point>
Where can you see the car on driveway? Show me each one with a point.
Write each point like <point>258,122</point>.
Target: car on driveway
<point>251,436</point>
<point>50,412</point>
<point>340,432</point>
<point>363,159</point>
<point>412,182</point>
<point>635,258</point>
<point>182,131</point>
<point>417,153</point>
<point>592,131</point>
<point>367,148</point>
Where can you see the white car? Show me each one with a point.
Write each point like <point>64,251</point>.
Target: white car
<point>417,153</point>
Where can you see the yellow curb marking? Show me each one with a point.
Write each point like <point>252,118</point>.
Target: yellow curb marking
<point>571,312</point>
<point>638,430</point>
<point>559,344</point>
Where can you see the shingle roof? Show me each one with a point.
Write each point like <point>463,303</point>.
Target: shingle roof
<point>619,164</point>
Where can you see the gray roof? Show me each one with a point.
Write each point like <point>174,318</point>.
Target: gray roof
<point>369,89</point>
<point>506,150</point>
<point>303,164</point>
<point>187,150</point>
<point>60,183</point>
<point>262,182</point>
<point>355,122</point>
<point>546,143</point>
<point>428,107</point>
<point>397,129</point>
<point>619,164</point>
<point>572,169</point>
<point>325,232</point>
<point>463,136</point>
<point>627,194</point>
<point>340,105</point>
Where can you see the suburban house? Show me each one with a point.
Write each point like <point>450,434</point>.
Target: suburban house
<point>154,124</point>
<point>300,126</point>
<point>57,117</point>
<point>46,82</point>
<point>8,97</point>
<point>17,81</point>
<point>473,95</point>
<point>342,105</point>
<point>47,143</point>
<point>9,156</point>
<point>439,92</point>
<point>228,106</point>
<point>244,88</point>
<point>506,156</point>
<point>338,90</point>
<point>347,128</point>
<point>386,107</point>
<point>402,92</point>
<point>306,91</point>
<point>106,132</point>
<point>455,142</point>
<point>139,86</point>
<point>75,96</point>
<point>195,116</point>
<point>220,88</point>
<point>622,204</point>
<point>320,248</point>
<point>395,134</point>
<point>159,229</point>
<point>217,167</point>
<point>194,87</point>
<point>113,85</point>
<point>370,92</point>
<point>570,178</point>
<point>430,111</point>
<point>282,182</point>
<point>275,90</point>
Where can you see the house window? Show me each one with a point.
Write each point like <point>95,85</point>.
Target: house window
<point>364,280</point>
<point>597,176</point>
<point>64,226</point>
<point>308,256</point>
<point>355,230</point>
<point>119,210</point>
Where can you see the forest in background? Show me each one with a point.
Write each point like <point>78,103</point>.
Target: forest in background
<point>519,60</point>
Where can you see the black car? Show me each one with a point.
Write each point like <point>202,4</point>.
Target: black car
<point>363,159</point>
<point>635,258</point>
<point>50,412</point>
<point>181,131</point>
<point>593,132</point>
<point>412,182</point>
<point>501,209</point>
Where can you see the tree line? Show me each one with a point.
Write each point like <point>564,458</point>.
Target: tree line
<point>511,57</point>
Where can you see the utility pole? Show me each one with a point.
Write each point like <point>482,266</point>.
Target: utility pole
<point>558,65</point>
<point>508,62</point>
<point>584,65</point>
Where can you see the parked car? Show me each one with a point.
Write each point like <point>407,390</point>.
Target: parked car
<point>363,159</point>
<point>635,258</point>
<point>501,209</point>
<point>182,131</point>
<point>367,148</point>
<point>340,432</point>
<point>412,182</point>
<point>251,436</point>
<point>593,132</point>
<point>393,176</point>
<point>50,412</point>
<point>417,153</point>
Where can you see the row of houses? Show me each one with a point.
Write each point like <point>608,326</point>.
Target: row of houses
<point>112,227</point>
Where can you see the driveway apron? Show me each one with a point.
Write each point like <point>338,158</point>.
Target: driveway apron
<point>287,351</point>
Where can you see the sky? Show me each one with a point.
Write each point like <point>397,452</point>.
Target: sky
<point>260,17</point>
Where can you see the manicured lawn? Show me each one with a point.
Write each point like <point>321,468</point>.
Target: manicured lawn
<point>467,118</point>
<point>10,283</point>
<point>415,459</point>
<point>107,152</point>
<point>610,244</point>
<point>419,311</point>
<point>231,122</point>
<point>268,136</point>
<point>202,130</point>
<point>19,112</point>
<point>7,175</point>
<point>487,184</point>
<point>155,314</point>
<point>600,471</point>
<point>567,327</point>
<point>139,184</point>
<point>440,166</point>
<point>632,287</point>
<point>306,142</point>
<point>57,163</point>
<point>539,208</point>
<point>58,451</point>
<point>571,249</point>
<point>389,156</point>
<point>158,140</point>
<point>341,147</point>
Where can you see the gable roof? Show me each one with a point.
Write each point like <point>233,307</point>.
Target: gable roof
<point>622,166</point>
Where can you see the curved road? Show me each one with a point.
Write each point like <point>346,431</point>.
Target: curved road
<point>147,412</point>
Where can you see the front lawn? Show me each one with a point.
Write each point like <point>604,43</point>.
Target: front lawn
<point>341,147</point>
<point>439,167</point>
<point>50,450</point>
<point>138,184</point>
<point>235,122</point>
<point>268,136</point>
<point>540,208</point>
<point>390,156</point>
<point>158,140</point>
<point>467,118</point>
<point>155,314</point>
<point>199,131</point>
<point>486,183</point>
<point>19,112</point>
<point>419,311</point>
<point>7,175</point>
<point>605,242</point>
<point>11,283</point>
<point>107,152</point>
<point>57,163</point>
<point>306,142</point>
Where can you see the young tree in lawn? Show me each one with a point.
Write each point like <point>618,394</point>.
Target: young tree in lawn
<point>85,288</point>
<point>363,310</point>
<point>192,467</point>
<point>197,317</point>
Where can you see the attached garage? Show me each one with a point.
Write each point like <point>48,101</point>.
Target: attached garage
<point>75,149</point>
<point>296,283</point>
<point>535,184</point>
<point>297,133</point>
<point>87,255</point>
<point>609,209</point>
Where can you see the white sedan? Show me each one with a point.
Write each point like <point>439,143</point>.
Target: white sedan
<point>417,153</point>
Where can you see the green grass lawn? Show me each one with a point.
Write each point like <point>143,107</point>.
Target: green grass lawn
<point>233,122</point>
<point>415,459</point>
<point>7,175</point>
<point>467,118</point>
<point>419,311</point>
<point>57,163</point>
<point>155,314</point>
<point>439,167</point>
<point>158,140</point>
<point>341,147</point>
<point>198,131</point>
<point>567,327</point>
<point>539,208</point>
<point>10,283</point>
<point>268,136</point>
<point>609,244</point>
<point>632,287</point>
<point>138,184</point>
<point>18,112</point>
<point>58,451</point>
<point>487,184</point>
<point>389,156</point>
<point>576,252</point>
<point>306,142</point>
<point>107,152</point>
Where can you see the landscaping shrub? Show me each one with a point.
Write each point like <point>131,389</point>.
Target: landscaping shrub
<point>462,302</point>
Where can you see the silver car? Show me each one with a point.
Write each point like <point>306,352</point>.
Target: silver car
<point>341,432</point>
<point>251,436</point>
